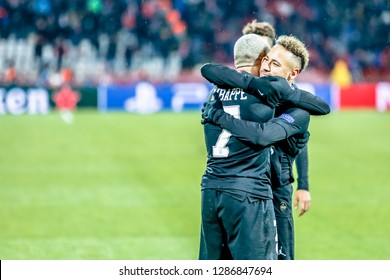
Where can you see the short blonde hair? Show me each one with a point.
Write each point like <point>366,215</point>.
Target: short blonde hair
<point>296,47</point>
<point>247,50</point>
<point>262,28</point>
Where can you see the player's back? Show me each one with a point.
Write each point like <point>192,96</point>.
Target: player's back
<point>233,164</point>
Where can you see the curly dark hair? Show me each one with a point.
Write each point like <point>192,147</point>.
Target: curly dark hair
<point>262,28</point>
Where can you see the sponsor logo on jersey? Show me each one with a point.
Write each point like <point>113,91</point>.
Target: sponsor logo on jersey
<point>287,117</point>
<point>260,92</point>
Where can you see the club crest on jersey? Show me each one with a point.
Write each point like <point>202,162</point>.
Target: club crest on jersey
<point>287,117</point>
<point>283,206</point>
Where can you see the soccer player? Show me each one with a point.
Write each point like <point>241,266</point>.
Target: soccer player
<point>237,211</point>
<point>302,194</point>
<point>238,219</point>
<point>286,59</point>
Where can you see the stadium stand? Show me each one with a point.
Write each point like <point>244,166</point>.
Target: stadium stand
<point>167,40</point>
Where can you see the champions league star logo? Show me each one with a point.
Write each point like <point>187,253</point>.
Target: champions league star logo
<point>66,101</point>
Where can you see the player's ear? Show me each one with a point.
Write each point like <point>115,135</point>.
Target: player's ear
<point>293,74</point>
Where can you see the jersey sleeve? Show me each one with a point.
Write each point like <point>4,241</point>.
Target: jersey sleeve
<point>315,105</point>
<point>264,134</point>
<point>291,95</point>
<point>225,77</point>
<point>302,165</point>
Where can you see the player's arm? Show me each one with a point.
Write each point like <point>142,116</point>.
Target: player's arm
<point>302,165</point>
<point>293,96</point>
<point>269,89</point>
<point>315,105</point>
<point>225,77</point>
<point>262,134</point>
<point>302,195</point>
<point>293,145</point>
<point>291,123</point>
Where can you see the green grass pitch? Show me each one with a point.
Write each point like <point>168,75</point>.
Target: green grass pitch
<point>124,186</point>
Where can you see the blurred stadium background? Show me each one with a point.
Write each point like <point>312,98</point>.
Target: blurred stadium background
<point>102,149</point>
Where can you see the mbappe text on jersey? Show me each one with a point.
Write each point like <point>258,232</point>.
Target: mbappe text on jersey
<point>231,94</point>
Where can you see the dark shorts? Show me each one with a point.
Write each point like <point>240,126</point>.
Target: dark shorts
<point>284,221</point>
<point>283,201</point>
<point>240,229</point>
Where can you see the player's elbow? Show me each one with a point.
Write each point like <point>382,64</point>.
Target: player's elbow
<point>327,109</point>
<point>205,69</point>
<point>322,110</point>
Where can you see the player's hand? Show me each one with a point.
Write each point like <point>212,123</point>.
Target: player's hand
<point>302,141</point>
<point>296,143</point>
<point>212,110</point>
<point>263,89</point>
<point>303,199</point>
<point>288,92</point>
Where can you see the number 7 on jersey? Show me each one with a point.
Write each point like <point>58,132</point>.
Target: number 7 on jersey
<point>220,149</point>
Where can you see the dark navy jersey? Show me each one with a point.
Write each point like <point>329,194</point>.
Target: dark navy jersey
<point>284,129</point>
<point>233,165</point>
<point>302,165</point>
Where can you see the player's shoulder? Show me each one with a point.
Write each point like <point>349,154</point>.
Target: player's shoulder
<point>295,115</point>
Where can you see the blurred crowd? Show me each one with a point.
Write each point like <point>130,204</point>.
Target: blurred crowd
<point>88,42</point>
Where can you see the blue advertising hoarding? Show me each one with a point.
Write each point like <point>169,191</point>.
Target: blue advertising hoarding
<point>147,98</point>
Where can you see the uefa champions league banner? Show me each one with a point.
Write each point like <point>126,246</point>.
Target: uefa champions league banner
<point>147,98</point>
